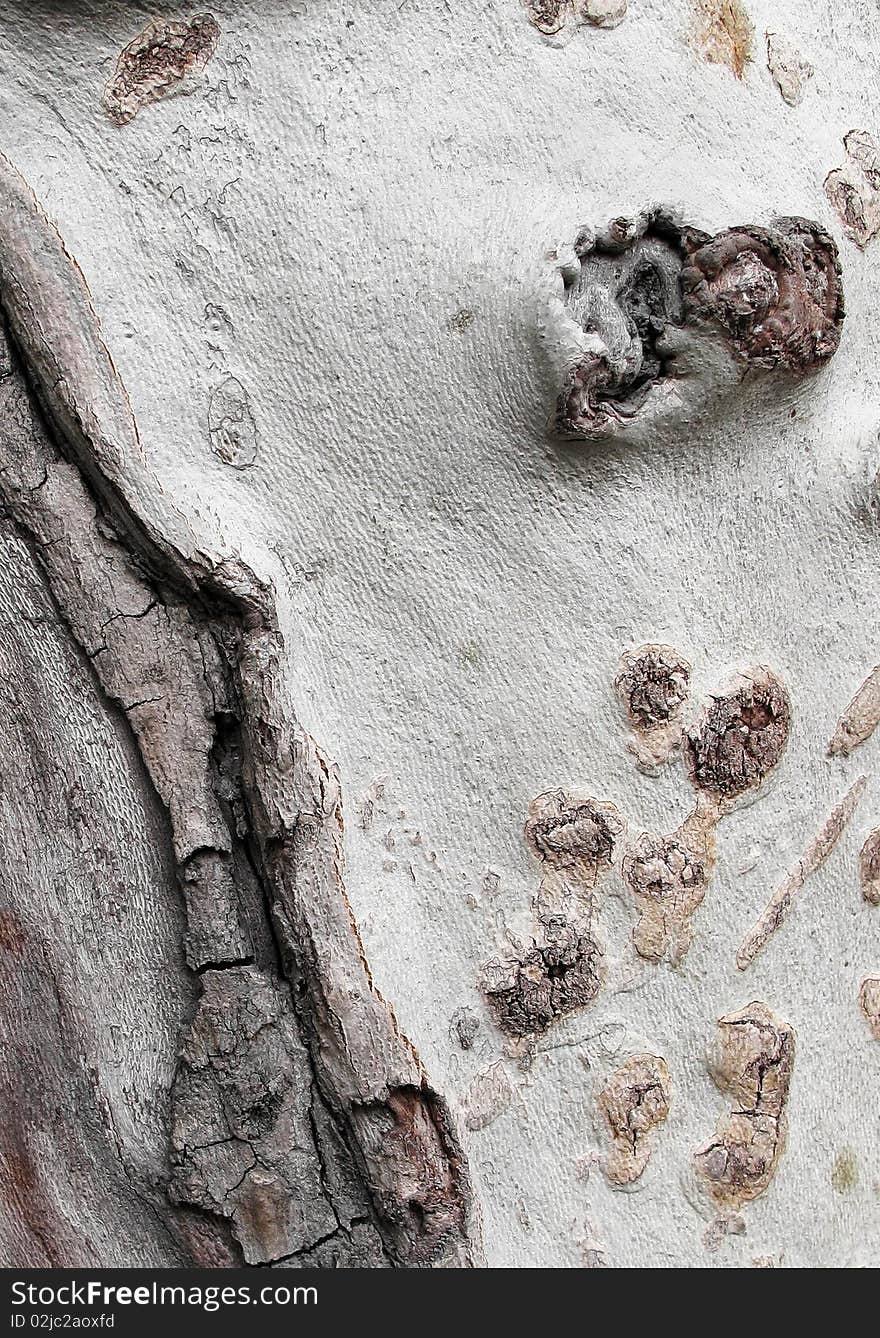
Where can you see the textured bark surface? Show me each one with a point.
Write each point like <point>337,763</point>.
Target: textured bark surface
<point>187,651</point>
<point>659,320</point>
<point>579,694</point>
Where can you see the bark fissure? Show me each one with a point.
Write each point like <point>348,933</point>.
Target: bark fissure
<point>189,650</point>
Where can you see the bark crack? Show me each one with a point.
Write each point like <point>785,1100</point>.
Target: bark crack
<point>288,1013</point>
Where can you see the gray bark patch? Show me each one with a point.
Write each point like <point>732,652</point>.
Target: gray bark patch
<point>231,426</point>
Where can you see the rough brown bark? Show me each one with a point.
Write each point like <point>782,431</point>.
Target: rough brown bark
<point>301,1124</point>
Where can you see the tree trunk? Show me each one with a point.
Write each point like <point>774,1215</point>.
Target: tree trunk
<point>438,510</point>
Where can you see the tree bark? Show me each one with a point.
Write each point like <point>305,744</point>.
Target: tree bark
<point>298,1111</point>
<point>481,396</point>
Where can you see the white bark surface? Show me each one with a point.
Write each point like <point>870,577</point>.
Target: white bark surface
<point>340,231</point>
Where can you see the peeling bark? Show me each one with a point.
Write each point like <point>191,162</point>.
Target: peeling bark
<point>560,970</point>
<point>488,1096</point>
<point>574,834</point>
<point>740,737</point>
<point>854,188</point>
<point>791,73</point>
<point>561,967</point>
<point>156,62</point>
<point>187,648</point>
<point>668,877</point>
<point>601,13</point>
<point>653,685</point>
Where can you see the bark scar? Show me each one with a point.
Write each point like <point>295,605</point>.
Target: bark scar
<point>657,322</point>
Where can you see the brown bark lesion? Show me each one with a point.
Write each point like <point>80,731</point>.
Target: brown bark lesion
<point>634,1101</point>
<point>753,1066</point>
<point>723,34</point>
<point>156,62</point>
<point>189,650</point>
<point>561,967</point>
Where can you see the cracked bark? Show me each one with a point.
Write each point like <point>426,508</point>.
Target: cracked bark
<point>301,1125</point>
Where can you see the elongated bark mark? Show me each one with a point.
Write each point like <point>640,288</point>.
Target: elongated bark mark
<point>869,868</point>
<point>818,850</point>
<point>723,34</point>
<point>860,718</point>
<point>869,1002</point>
<point>657,322</point>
